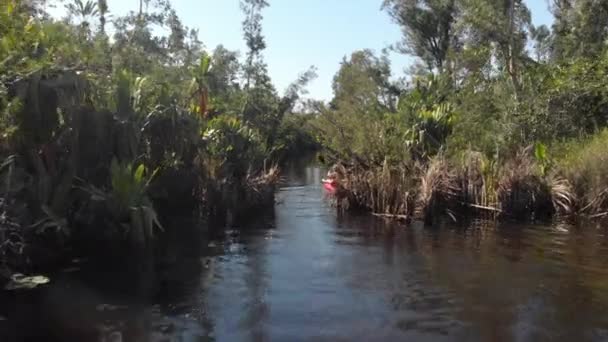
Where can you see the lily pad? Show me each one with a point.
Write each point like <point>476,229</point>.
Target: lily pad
<point>21,282</point>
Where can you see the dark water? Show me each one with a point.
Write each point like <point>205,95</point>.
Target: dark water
<point>303,273</point>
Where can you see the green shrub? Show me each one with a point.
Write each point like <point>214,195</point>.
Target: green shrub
<point>232,147</point>
<point>584,163</point>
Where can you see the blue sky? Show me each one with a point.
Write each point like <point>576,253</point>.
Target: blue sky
<point>303,33</point>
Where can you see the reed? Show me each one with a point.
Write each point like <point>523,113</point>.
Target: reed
<point>583,166</point>
<point>438,187</point>
<point>563,196</point>
<point>382,190</point>
<point>517,187</point>
<point>477,176</point>
<point>521,191</point>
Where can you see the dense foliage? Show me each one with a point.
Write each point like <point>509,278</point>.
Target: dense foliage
<point>101,133</point>
<point>492,98</point>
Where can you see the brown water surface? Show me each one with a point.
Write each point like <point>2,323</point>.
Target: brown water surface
<point>304,273</point>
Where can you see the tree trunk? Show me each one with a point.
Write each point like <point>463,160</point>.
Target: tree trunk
<point>102,24</point>
<point>510,55</point>
<point>204,102</point>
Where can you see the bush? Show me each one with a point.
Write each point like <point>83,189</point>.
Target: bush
<point>584,164</point>
<point>295,136</point>
<point>232,147</point>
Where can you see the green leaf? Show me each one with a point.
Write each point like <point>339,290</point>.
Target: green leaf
<point>205,63</point>
<point>10,8</point>
<point>139,173</point>
<point>19,281</point>
<point>540,152</point>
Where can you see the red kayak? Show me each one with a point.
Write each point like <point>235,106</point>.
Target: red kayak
<point>330,185</point>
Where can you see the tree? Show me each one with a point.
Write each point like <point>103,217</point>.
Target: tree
<point>261,99</point>
<point>359,119</point>
<point>296,89</point>
<point>501,26</point>
<point>84,11</point>
<point>427,28</point>
<point>177,35</point>
<point>562,27</point>
<point>223,82</point>
<point>580,28</point>
<point>252,32</point>
<point>542,42</point>
<point>224,75</point>
<point>201,75</point>
<point>363,82</point>
<point>182,44</point>
<point>34,7</point>
<point>136,46</point>
<point>102,6</point>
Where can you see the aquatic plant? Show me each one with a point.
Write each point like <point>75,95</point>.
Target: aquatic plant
<point>382,190</point>
<point>438,187</point>
<point>516,189</point>
<point>128,202</point>
<point>521,191</point>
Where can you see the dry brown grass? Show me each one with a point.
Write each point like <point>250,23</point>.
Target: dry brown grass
<point>260,188</point>
<point>563,196</point>
<point>438,187</point>
<point>477,177</point>
<point>516,188</point>
<point>521,191</point>
<point>385,190</point>
<point>584,164</point>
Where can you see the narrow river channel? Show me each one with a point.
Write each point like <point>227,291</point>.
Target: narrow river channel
<point>303,273</point>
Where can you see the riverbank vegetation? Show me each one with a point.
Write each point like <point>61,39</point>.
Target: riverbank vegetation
<point>110,124</point>
<point>104,135</point>
<point>497,116</point>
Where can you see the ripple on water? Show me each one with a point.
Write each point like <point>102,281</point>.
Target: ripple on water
<point>306,273</point>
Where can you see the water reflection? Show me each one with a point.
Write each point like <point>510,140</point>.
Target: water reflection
<point>302,273</point>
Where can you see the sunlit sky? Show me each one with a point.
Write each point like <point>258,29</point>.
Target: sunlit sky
<point>303,33</point>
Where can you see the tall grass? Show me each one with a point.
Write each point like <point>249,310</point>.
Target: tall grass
<point>438,186</point>
<point>521,189</point>
<point>517,187</point>
<point>382,190</point>
<point>584,165</point>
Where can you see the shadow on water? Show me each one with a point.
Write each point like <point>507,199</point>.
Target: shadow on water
<point>301,272</point>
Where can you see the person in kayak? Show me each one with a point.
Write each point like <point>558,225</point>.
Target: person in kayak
<point>330,183</point>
